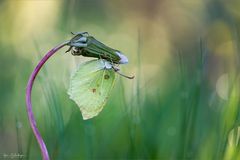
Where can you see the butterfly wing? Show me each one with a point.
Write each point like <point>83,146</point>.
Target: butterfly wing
<point>90,86</point>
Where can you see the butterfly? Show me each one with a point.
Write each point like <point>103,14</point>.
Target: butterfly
<point>92,82</point>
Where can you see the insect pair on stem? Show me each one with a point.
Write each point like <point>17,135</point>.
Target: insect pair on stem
<point>90,84</point>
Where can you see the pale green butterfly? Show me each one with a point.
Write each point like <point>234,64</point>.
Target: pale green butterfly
<point>91,84</point>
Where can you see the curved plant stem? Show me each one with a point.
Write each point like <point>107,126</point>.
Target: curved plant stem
<point>31,118</point>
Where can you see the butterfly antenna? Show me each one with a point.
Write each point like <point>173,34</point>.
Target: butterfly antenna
<point>129,77</point>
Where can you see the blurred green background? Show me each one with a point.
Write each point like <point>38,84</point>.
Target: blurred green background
<point>182,104</point>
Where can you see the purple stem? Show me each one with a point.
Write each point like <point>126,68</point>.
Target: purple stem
<point>31,118</point>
